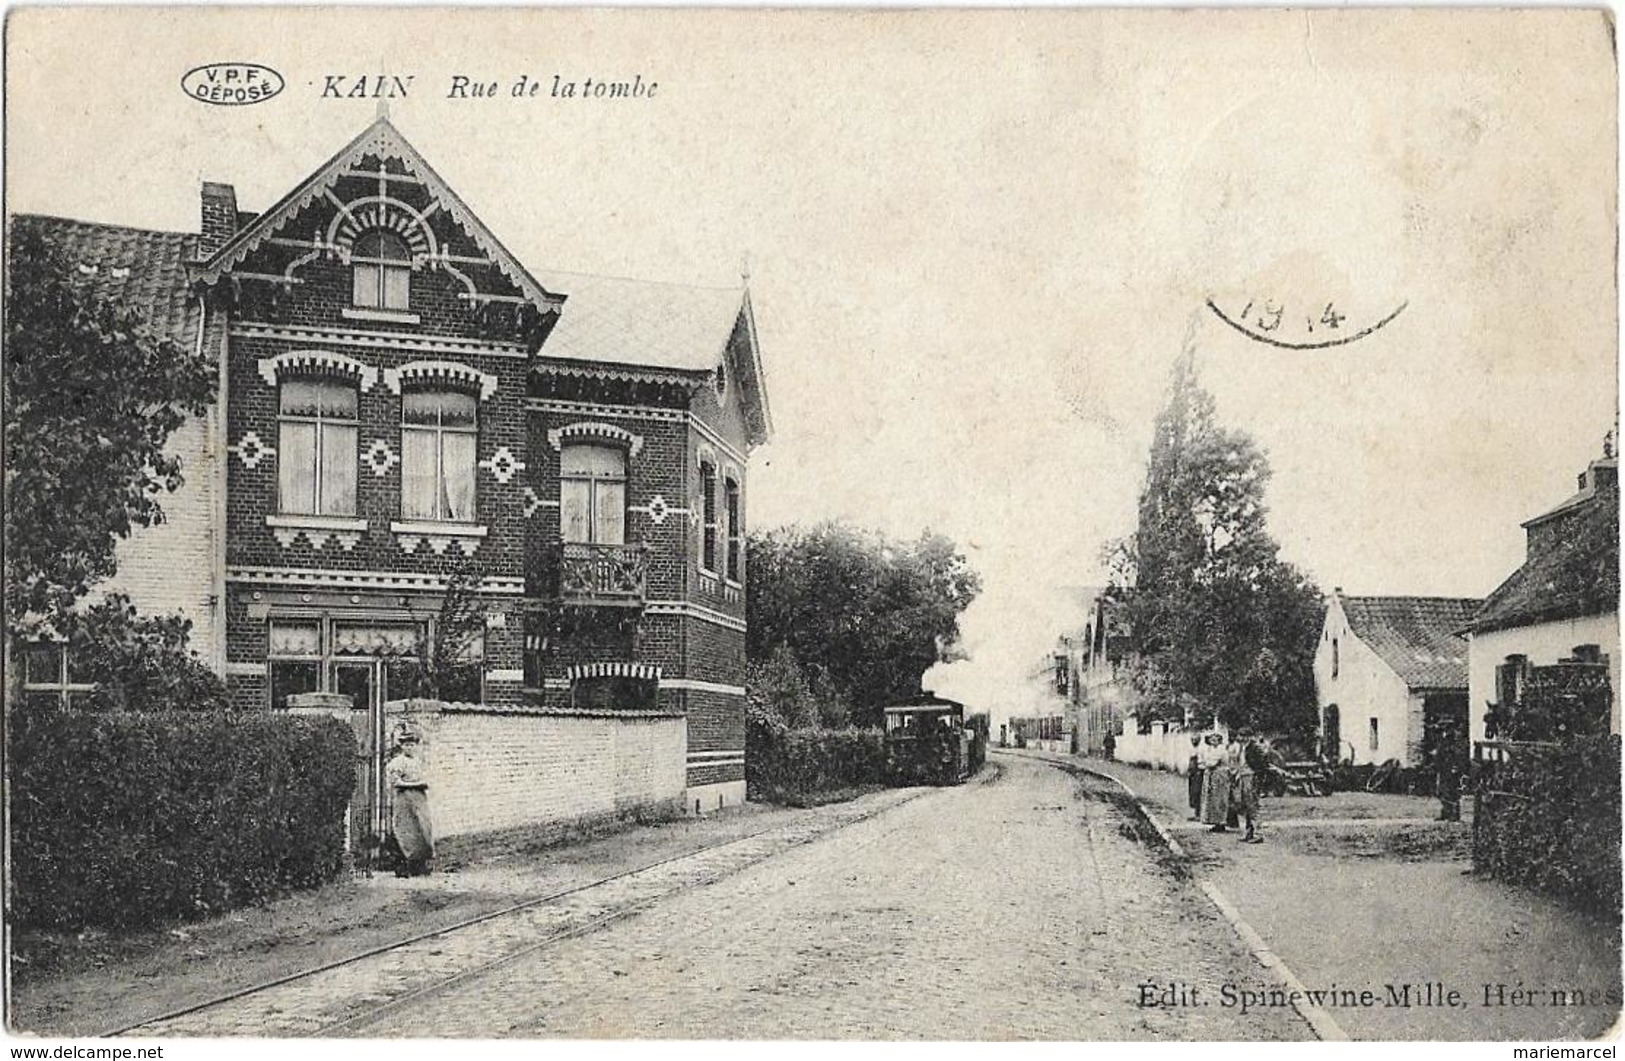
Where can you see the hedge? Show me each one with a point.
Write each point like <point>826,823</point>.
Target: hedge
<point>788,765</point>
<point>1549,818</point>
<point>123,819</point>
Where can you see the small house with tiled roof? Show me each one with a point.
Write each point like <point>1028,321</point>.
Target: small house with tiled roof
<point>403,404</point>
<point>1391,678</point>
<point>1557,616</point>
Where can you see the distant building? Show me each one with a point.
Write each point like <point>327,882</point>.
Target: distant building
<point>1391,677</point>
<point>1090,671</point>
<point>1554,623</point>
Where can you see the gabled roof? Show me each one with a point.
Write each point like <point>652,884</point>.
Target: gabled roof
<point>611,320</point>
<point>142,268</point>
<point>384,140</point>
<point>1415,636</point>
<point>1574,573</point>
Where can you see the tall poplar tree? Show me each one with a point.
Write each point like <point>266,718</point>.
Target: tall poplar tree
<point>1222,627</point>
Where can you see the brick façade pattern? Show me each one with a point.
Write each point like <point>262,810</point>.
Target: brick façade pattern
<point>291,294</point>
<point>314,312</point>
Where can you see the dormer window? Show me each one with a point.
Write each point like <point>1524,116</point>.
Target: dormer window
<point>383,271</point>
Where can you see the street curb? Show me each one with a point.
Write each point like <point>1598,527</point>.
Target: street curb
<point>1320,1022</point>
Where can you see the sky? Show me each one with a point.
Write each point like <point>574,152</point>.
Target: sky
<point>976,241</point>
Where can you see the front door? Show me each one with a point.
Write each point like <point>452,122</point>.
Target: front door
<point>363,680</point>
<point>1331,741</point>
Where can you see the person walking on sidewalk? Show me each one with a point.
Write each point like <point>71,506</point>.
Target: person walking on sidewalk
<point>1215,783</point>
<point>1193,778</point>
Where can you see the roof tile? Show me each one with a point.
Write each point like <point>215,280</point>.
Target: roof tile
<point>1416,636</point>
<point>144,269</point>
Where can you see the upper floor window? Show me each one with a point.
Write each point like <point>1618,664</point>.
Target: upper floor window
<point>317,456</point>
<point>383,270</point>
<point>439,442</point>
<point>736,532</point>
<point>592,494</point>
<point>708,509</point>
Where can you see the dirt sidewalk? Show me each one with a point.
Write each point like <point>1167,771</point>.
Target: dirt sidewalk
<point>1368,891</point>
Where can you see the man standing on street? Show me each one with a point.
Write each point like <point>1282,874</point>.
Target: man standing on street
<point>1254,763</point>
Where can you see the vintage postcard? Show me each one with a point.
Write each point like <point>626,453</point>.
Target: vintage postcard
<point>811,525</point>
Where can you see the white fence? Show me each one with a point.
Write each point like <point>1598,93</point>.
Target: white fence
<point>1166,747</point>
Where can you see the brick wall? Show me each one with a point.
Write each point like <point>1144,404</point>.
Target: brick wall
<point>716,721</point>
<point>490,771</point>
<point>170,566</point>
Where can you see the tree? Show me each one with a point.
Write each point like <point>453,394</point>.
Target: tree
<point>91,398</point>
<point>870,613</point>
<point>447,667</point>
<point>1221,626</point>
<point>785,692</point>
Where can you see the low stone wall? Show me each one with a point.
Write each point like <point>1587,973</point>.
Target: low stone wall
<point>494,769</point>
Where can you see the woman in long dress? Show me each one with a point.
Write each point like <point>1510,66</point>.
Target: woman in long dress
<point>1215,784</point>
<point>414,832</point>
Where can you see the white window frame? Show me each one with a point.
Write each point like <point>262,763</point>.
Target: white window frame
<point>594,535</point>
<point>382,267</point>
<point>319,422</point>
<point>439,430</point>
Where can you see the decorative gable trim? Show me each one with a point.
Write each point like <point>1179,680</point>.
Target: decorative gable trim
<point>385,141</point>
<point>595,429</point>
<point>758,414</point>
<point>440,372</point>
<point>316,361</point>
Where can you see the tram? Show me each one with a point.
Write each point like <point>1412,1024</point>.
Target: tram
<point>929,741</point>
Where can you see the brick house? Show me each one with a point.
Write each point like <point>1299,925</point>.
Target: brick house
<point>403,403</point>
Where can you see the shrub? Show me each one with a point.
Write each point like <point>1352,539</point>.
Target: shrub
<point>789,765</point>
<point>140,662</point>
<point>126,818</point>
<point>1549,818</point>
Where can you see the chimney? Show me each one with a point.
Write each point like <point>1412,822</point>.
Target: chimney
<point>1605,476</point>
<point>219,218</point>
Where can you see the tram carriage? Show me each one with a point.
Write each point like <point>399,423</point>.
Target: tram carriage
<point>930,742</point>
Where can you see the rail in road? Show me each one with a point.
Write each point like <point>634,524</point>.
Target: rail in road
<point>346,996</point>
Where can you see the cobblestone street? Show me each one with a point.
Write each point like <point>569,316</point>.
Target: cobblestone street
<point>1020,909</point>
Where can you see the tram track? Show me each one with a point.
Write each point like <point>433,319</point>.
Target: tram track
<point>345,995</point>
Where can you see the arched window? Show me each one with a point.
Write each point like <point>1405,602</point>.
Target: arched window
<point>439,440</point>
<point>383,270</point>
<point>316,454</point>
<point>592,494</point>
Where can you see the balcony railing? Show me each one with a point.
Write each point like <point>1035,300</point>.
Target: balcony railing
<point>614,575</point>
